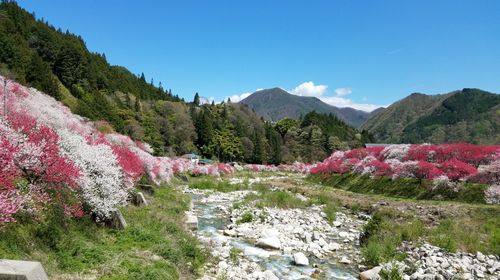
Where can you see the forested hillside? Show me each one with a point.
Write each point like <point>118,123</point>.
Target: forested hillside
<point>58,63</point>
<point>469,115</point>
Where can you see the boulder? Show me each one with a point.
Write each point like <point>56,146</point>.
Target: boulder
<point>269,243</point>
<point>270,232</point>
<point>269,275</point>
<point>21,270</point>
<point>117,221</point>
<point>316,235</point>
<point>140,200</point>
<point>300,259</point>
<point>345,260</point>
<point>230,232</point>
<point>307,237</point>
<point>191,221</point>
<point>371,274</point>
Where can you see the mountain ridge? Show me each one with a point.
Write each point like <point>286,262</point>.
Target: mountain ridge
<point>274,104</point>
<point>466,115</point>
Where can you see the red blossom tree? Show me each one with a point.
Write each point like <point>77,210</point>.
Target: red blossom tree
<point>426,170</point>
<point>130,163</point>
<point>456,169</point>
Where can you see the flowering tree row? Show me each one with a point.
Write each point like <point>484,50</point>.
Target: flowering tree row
<point>49,155</point>
<point>445,163</point>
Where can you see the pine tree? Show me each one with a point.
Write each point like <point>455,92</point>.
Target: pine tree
<point>196,100</point>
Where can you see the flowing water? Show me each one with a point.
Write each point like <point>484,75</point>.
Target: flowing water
<point>211,220</point>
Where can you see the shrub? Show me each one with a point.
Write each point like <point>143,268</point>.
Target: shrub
<point>246,217</point>
<point>234,255</point>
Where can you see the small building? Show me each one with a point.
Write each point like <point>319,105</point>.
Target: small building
<point>369,145</point>
<point>193,157</point>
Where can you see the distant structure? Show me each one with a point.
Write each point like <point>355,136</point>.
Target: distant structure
<point>193,157</point>
<point>369,145</point>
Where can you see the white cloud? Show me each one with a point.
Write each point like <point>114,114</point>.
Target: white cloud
<point>320,91</point>
<point>345,102</point>
<point>206,100</point>
<point>237,98</point>
<point>309,89</point>
<point>343,91</point>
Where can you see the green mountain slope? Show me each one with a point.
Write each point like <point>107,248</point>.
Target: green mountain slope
<point>58,63</point>
<point>275,104</point>
<point>469,115</point>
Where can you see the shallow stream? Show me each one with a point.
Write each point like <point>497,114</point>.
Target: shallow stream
<point>211,220</point>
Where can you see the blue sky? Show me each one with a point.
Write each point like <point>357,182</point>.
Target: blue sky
<point>347,52</point>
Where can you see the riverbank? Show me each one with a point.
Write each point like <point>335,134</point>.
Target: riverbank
<point>367,231</point>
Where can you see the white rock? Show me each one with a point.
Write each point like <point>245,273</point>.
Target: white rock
<point>269,275</point>
<point>230,232</point>
<point>322,242</point>
<point>298,230</point>
<point>287,250</point>
<point>316,235</point>
<point>269,242</point>
<point>345,260</point>
<point>343,234</point>
<point>223,265</point>
<point>270,232</point>
<point>337,224</point>
<point>307,237</point>
<point>480,256</point>
<point>371,274</point>
<point>191,221</point>
<point>333,246</point>
<point>300,259</point>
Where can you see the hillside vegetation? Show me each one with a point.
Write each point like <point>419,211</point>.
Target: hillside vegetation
<point>58,63</point>
<point>469,115</point>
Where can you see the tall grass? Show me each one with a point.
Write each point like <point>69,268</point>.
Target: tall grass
<point>155,244</point>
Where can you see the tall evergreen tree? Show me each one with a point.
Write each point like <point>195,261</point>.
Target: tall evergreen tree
<point>196,100</point>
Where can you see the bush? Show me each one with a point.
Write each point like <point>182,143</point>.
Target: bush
<point>234,255</point>
<point>246,217</point>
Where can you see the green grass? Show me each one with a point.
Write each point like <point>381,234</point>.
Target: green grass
<point>442,236</point>
<point>477,231</point>
<point>246,217</point>
<point>403,187</point>
<point>274,199</point>
<point>155,244</point>
<point>384,233</point>
<point>331,212</point>
<point>220,186</point>
<point>234,255</point>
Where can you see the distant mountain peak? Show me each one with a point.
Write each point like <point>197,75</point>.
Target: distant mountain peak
<point>276,103</point>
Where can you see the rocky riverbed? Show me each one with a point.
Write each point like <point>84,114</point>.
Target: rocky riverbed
<point>427,262</point>
<point>299,243</point>
<point>279,243</point>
